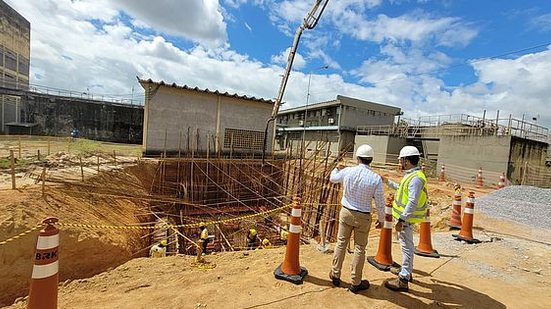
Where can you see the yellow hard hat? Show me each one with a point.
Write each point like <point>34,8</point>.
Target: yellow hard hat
<point>265,242</point>
<point>163,243</point>
<point>252,232</point>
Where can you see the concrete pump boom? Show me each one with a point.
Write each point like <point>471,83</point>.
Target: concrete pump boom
<point>309,22</point>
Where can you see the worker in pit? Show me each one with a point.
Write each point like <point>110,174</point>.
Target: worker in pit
<point>204,237</point>
<point>158,250</point>
<point>252,239</point>
<point>203,241</point>
<point>266,244</point>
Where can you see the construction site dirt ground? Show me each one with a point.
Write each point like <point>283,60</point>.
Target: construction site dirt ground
<point>106,268</point>
<point>508,273</point>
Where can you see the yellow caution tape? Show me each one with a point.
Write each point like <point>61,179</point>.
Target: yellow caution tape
<point>166,226</point>
<point>20,235</point>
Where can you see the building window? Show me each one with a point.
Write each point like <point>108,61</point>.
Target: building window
<point>11,61</point>
<point>243,139</point>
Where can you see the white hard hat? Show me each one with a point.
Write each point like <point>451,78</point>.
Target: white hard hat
<point>409,151</point>
<point>364,151</point>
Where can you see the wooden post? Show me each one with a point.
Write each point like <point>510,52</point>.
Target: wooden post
<point>81,168</point>
<point>43,177</point>
<point>48,147</point>
<point>115,156</point>
<point>231,146</point>
<point>38,154</point>
<point>98,162</point>
<point>19,142</point>
<point>12,166</point>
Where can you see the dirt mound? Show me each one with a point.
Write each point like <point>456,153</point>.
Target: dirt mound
<point>83,251</point>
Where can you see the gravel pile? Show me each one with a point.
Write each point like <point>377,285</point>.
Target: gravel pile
<point>522,204</point>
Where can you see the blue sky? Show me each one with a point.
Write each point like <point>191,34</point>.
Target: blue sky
<point>426,57</point>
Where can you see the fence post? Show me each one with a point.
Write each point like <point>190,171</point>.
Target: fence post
<point>81,168</point>
<point>38,154</point>
<point>19,143</point>
<point>48,147</point>
<point>115,157</point>
<point>12,166</point>
<point>43,177</point>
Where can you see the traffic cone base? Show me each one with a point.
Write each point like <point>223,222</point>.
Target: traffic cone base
<point>382,267</point>
<point>296,279</point>
<point>465,239</point>
<point>433,253</point>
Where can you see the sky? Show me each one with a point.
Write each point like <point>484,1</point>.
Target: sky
<point>428,57</point>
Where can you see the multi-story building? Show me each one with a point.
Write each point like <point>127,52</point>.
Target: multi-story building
<point>15,33</point>
<point>334,121</point>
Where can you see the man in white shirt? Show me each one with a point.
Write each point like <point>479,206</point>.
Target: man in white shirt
<point>361,185</point>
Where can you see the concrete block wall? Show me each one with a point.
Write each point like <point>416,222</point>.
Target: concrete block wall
<point>186,119</point>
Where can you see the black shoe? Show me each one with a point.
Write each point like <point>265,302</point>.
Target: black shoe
<point>336,281</point>
<point>398,284</point>
<point>364,285</point>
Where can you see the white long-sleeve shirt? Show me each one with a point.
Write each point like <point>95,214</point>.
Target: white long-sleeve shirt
<point>361,185</point>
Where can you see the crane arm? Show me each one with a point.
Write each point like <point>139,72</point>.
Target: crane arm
<point>309,22</point>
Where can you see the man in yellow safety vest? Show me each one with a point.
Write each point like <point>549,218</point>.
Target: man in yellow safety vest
<point>409,207</point>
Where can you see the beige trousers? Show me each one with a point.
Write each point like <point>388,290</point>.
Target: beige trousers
<point>359,223</point>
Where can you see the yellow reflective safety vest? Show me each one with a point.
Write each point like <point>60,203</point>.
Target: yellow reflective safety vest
<point>402,195</point>
<point>204,234</point>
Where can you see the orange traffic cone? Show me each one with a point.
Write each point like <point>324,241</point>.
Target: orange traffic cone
<point>466,232</point>
<point>45,276</point>
<point>290,269</point>
<point>479,179</point>
<point>425,242</point>
<point>455,221</point>
<point>501,182</point>
<point>442,176</point>
<point>383,260</point>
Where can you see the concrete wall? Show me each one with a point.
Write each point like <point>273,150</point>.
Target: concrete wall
<point>353,117</point>
<point>189,119</point>
<point>386,147</point>
<point>489,152</point>
<point>430,149</point>
<point>57,116</point>
<point>523,150</point>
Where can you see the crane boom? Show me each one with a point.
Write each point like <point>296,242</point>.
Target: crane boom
<point>309,22</point>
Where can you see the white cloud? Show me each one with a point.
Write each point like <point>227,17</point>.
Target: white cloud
<point>200,21</point>
<point>542,22</point>
<point>72,52</point>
